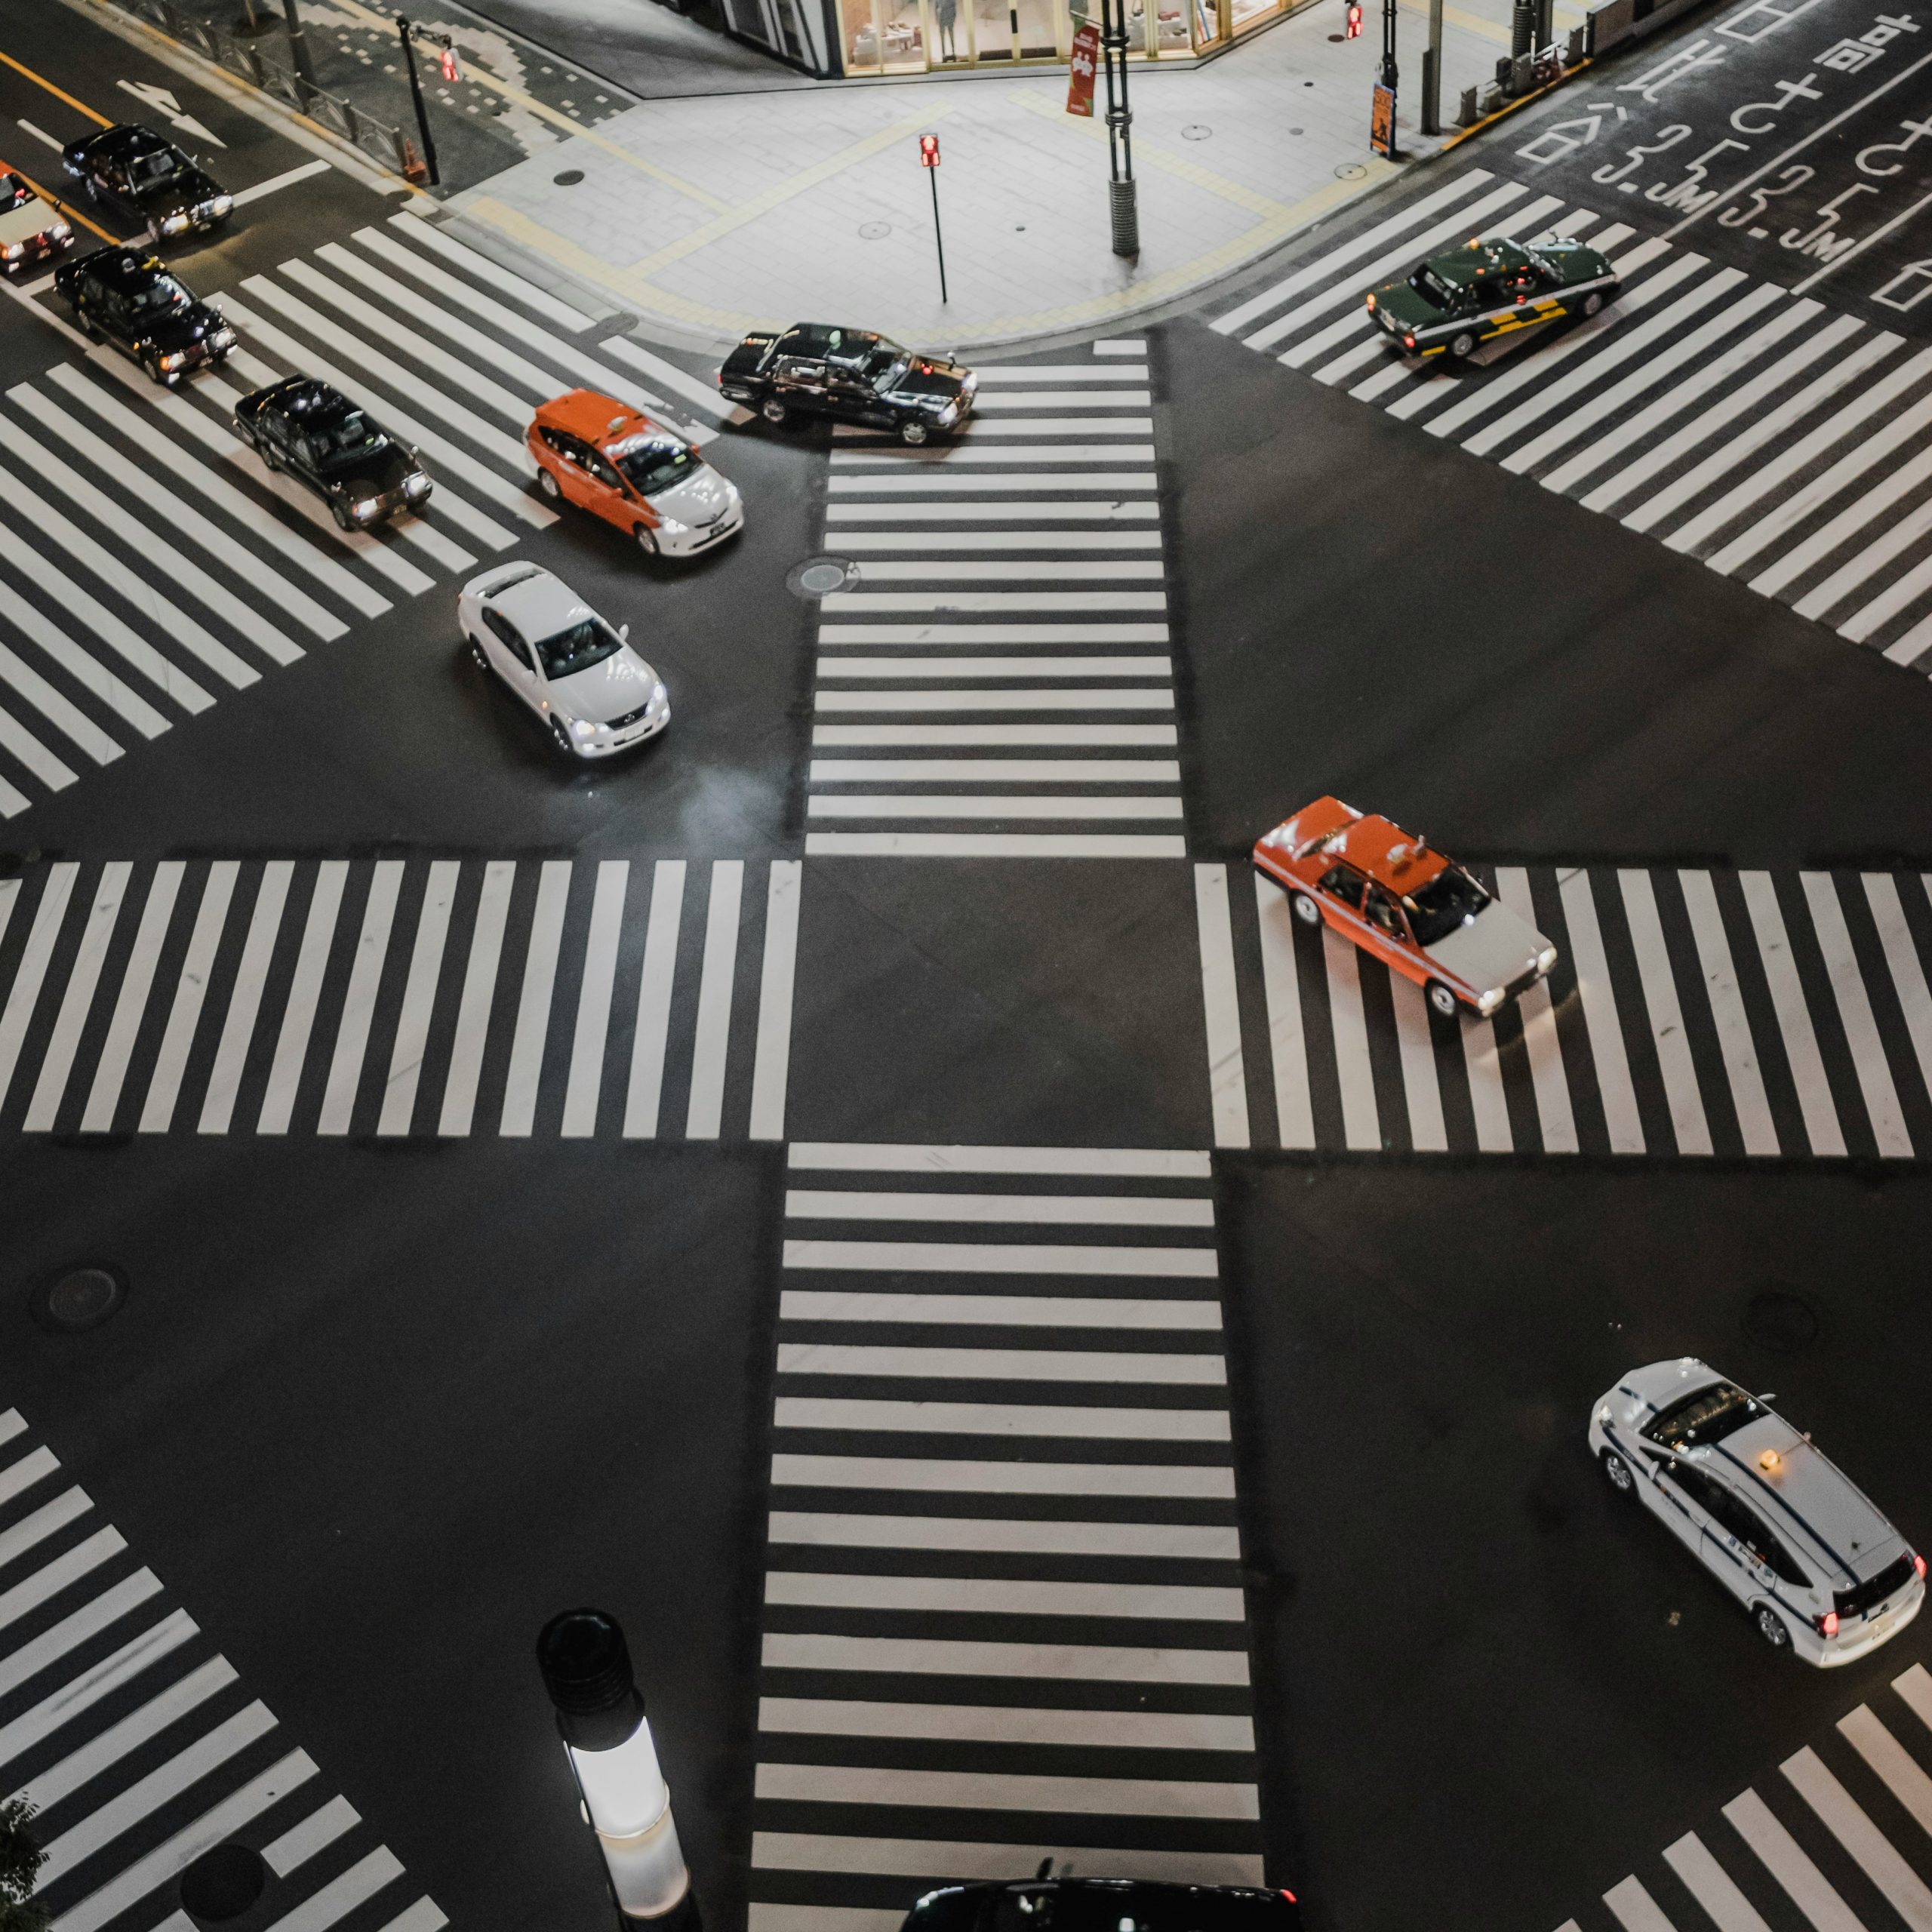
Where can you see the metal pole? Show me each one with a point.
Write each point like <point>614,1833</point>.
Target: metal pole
<point>1431,73</point>
<point>932,175</point>
<point>416,92</point>
<point>298,44</point>
<point>1121,193</point>
<point>1389,47</point>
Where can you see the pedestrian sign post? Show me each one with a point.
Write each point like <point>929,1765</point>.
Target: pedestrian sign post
<point>929,159</point>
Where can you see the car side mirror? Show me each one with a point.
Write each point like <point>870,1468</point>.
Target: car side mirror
<point>623,633</point>
<point>1767,1397</point>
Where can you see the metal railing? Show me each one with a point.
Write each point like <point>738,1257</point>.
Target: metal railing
<point>383,143</point>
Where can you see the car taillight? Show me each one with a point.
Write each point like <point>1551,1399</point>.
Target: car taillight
<point>1289,1895</point>
<point>1371,303</point>
<point>1828,1624</point>
<point>1408,342</point>
<point>1918,1564</point>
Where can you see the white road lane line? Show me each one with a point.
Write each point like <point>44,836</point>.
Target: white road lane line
<point>914,1656</point>
<point>183,1016</point>
<point>1896,1769</point>
<point>533,1011</point>
<point>78,1627</point>
<point>1002,1258</point>
<point>136,981</point>
<point>419,232</point>
<point>334,1901</point>
<point>1801,1043</point>
<point>479,987</point>
<point>1899,595</point>
<point>120,1667</point>
<point>69,1505</point>
<point>1915,1687</point>
<point>298,1016</point>
<point>1016,511</point>
<point>99,682</point>
<point>988,1365</point>
<point>771,1059</point>
<point>1781,1855</point>
<point>276,183</point>
<point>83,977</point>
<point>975,571</point>
<point>993,845</point>
<point>1881,894</point>
<point>914,1474</point>
<point>1681,1092</point>
<point>1361,1124</point>
<point>1598,997</point>
<point>1001,805</point>
<point>53,772</point>
<point>419,999</point>
<point>1735,1043</point>
<point>1043,1420</point>
<point>859,1157</point>
<point>1487,1102</point>
<point>1854,1005</point>
<point>1227,1077</point>
<point>1114,1210</point>
<point>980,635</point>
<point>60,711</point>
<point>1004,1596</point>
<point>668,376</point>
<point>860,541</point>
<point>1701,431</point>
<point>1635,1910</point>
<point>1909,649</point>
<point>315,1833</point>
<point>998,401</point>
<point>978,698</point>
<point>1870,1850</point>
<point>29,974</point>
<point>19,1477</point>
<point>643,1095</point>
<point>596,983</point>
<point>1712,1887</point>
<point>962,771</point>
<point>937,484</point>
<point>1008,1791</point>
<point>51,1578</point>
<point>1336,259</point>
<point>358,1004</point>
<point>704,1114</point>
<point>1006,376</point>
<point>1428,1133</point>
<point>965,602</point>
<point>1287,1045</point>
<point>915,1858</point>
<point>1004,1724</point>
<point>959,456</point>
<point>1193,1543</point>
<point>1900,535</point>
<point>1000,1311</point>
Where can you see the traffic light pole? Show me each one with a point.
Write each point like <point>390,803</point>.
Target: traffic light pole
<point>1122,193</point>
<point>416,94</point>
<point>932,176</point>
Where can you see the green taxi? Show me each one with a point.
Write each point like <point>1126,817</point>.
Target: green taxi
<point>1488,288</point>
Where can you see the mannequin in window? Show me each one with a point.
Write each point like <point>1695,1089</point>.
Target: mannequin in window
<point>945,12</point>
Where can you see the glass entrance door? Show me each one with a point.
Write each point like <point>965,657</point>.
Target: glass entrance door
<point>993,30</point>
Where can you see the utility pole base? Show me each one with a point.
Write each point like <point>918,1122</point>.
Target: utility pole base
<point>1124,204</point>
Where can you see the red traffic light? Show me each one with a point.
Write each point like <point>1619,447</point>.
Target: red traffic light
<point>452,66</point>
<point>928,150</point>
<point>1355,20</point>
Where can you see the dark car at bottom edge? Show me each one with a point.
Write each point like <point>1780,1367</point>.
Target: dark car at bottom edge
<point>1103,1905</point>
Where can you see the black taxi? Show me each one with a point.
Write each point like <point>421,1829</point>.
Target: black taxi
<point>850,376</point>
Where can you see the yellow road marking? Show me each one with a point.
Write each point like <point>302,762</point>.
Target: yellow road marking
<point>59,94</point>
<point>54,202</point>
<point>480,75</point>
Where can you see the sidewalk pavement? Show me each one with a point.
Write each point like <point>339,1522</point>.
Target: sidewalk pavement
<point>710,216</point>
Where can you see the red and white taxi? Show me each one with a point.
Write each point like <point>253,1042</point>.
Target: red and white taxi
<point>1410,907</point>
<point>610,459</point>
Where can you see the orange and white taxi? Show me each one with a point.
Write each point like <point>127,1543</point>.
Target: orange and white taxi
<point>1410,907</point>
<point>607,458</point>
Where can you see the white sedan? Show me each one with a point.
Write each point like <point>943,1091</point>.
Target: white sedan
<point>562,660</point>
<point>1800,1546</point>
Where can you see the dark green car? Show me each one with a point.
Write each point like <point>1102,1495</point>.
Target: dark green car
<point>1488,288</point>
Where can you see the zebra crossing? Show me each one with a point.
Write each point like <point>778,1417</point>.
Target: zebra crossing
<point>138,1748</point>
<point>1739,422</point>
<point>1692,1012</point>
<point>153,566</point>
<point>1823,1843</point>
<point>440,998</point>
<point>994,681</point>
<point>1003,1615</point>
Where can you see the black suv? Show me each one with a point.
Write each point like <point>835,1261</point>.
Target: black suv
<point>852,376</point>
<point>148,179</point>
<point>137,302</point>
<point>1103,1905</point>
<point>333,445</point>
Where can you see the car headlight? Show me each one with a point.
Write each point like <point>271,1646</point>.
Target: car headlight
<point>222,205</point>
<point>172,224</point>
<point>12,251</point>
<point>950,413</point>
<point>659,698</point>
<point>972,383</point>
<point>1546,959</point>
<point>669,526</point>
<point>222,339</point>
<point>1489,1001</point>
<point>415,483</point>
<point>173,362</point>
<point>61,231</point>
<point>583,731</point>
<point>363,507</point>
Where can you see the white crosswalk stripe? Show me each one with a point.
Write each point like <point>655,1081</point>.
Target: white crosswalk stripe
<point>1692,1012</point>
<point>1740,422</point>
<point>986,614</point>
<point>155,563</point>
<point>1756,1863</point>
<point>128,1794</point>
<point>1000,1624</point>
<point>432,997</point>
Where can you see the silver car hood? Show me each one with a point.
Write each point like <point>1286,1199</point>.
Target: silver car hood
<point>622,682</point>
<point>1495,948</point>
<point>701,498</point>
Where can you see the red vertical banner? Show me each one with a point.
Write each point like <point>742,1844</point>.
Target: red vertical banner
<point>1079,69</point>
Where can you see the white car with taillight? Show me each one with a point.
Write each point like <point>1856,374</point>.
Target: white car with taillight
<point>1802,1548</point>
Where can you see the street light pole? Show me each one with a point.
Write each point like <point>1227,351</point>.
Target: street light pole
<point>1121,192</point>
<point>298,44</point>
<point>416,92</point>
<point>586,1667</point>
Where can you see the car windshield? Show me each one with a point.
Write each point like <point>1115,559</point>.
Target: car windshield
<point>1708,1416</point>
<point>344,440</point>
<point>151,168</point>
<point>160,295</point>
<point>653,463</point>
<point>885,367</point>
<point>1433,290</point>
<point>14,193</point>
<point>583,645</point>
<point>1448,903</point>
<point>1541,263</point>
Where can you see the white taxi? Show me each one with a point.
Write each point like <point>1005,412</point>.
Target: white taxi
<point>1819,1571</point>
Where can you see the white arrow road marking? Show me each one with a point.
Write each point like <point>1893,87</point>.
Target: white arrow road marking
<point>165,104</point>
<point>41,134</point>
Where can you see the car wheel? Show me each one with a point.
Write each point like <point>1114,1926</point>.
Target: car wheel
<point>1442,999</point>
<point>915,432</point>
<point>1462,345</point>
<point>1593,302</point>
<point>774,412</point>
<point>1616,1473</point>
<point>88,327</point>
<point>1772,1628</point>
<point>343,521</point>
<point>548,485</point>
<point>1306,911</point>
<point>647,540</point>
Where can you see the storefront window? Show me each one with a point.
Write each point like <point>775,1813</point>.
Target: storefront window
<point>1246,12</point>
<point>904,34</point>
<point>952,35</point>
<point>862,37</point>
<point>901,36</point>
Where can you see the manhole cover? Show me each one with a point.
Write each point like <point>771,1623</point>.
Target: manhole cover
<point>1785,1323</point>
<point>1196,130</point>
<point>821,576</point>
<point>1350,171</point>
<point>79,1298</point>
<point>875,231</point>
<point>222,1884</point>
<point>569,178</point>
<point>1296,130</point>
